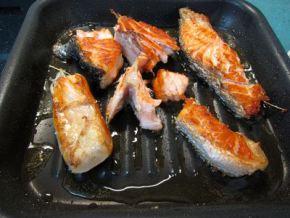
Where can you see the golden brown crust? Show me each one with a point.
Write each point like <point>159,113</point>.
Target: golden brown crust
<point>220,136</point>
<point>63,89</point>
<point>203,45</point>
<point>151,32</point>
<point>102,53</point>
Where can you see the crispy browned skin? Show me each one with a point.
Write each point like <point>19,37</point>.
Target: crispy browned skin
<point>99,49</point>
<point>79,124</point>
<point>204,46</point>
<point>229,151</point>
<point>169,86</point>
<point>155,43</point>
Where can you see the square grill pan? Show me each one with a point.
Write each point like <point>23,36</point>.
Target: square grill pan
<point>148,174</point>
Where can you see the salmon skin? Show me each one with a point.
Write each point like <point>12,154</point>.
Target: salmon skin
<point>169,86</point>
<point>138,37</point>
<point>218,64</point>
<point>132,89</point>
<point>96,51</point>
<point>83,136</point>
<point>230,152</point>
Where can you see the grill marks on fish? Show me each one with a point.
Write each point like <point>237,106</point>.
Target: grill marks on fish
<point>132,89</point>
<point>169,86</point>
<point>155,43</point>
<point>97,51</point>
<point>218,64</point>
<point>231,152</point>
<point>83,136</point>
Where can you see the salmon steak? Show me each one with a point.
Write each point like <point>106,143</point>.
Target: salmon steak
<point>97,51</point>
<point>218,64</point>
<point>230,152</point>
<point>83,136</point>
<point>169,86</point>
<point>132,89</point>
<point>138,37</point>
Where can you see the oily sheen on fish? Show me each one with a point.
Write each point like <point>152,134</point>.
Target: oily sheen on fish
<point>96,51</point>
<point>230,152</point>
<point>83,136</point>
<point>218,64</point>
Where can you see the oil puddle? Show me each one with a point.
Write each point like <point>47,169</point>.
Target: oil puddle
<point>36,157</point>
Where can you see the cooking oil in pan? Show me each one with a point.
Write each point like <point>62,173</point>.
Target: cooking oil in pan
<point>43,143</point>
<point>148,166</point>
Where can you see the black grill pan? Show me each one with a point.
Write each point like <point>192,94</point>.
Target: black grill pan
<point>149,174</point>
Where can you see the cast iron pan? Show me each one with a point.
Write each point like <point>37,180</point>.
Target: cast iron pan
<point>148,173</point>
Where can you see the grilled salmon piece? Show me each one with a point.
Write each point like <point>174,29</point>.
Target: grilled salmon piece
<point>230,152</point>
<point>218,64</point>
<point>137,37</point>
<point>83,136</point>
<point>97,51</point>
<point>132,89</point>
<point>134,45</point>
<point>169,86</point>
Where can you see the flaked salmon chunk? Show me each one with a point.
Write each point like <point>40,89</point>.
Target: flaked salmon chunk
<point>138,37</point>
<point>132,89</point>
<point>169,86</point>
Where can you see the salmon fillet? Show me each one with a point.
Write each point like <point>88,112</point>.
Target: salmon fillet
<point>169,86</point>
<point>231,152</point>
<point>83,136</point>
<point>218,64</point>
<point>97,51</point>
<point>137,37</point>
<point>132,89</point>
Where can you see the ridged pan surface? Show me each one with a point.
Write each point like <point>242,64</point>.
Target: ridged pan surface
<point>149,173</point>
<point>146,164</point>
